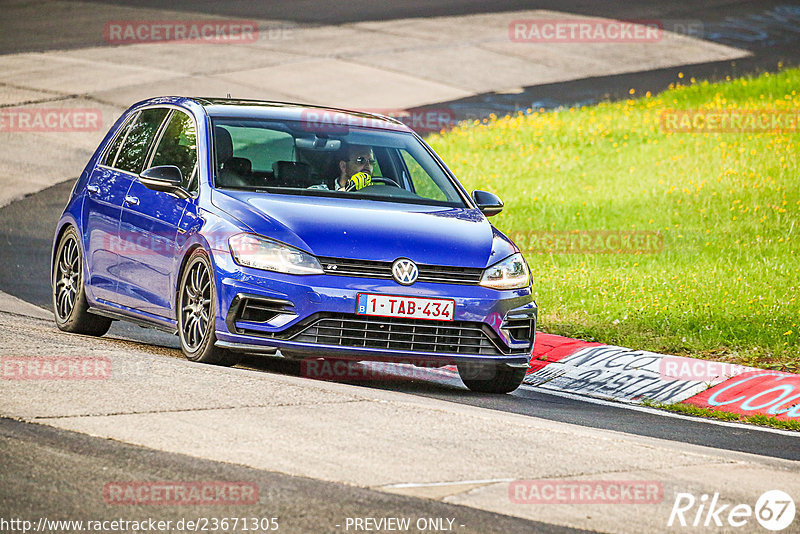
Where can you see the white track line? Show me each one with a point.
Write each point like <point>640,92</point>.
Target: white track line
<point>456,483</point>
<point>620,404</point>
<point>663,413</point>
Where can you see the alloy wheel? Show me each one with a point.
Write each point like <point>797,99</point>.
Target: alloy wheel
<point>68,278</point>
<point>196,306</point>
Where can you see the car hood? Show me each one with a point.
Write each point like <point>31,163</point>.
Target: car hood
<point>370,230</point>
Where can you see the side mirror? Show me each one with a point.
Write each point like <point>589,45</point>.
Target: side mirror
<point>165,178</point>
<point>488,203</point>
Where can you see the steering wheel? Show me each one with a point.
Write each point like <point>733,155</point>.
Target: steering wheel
<point>375,181</point>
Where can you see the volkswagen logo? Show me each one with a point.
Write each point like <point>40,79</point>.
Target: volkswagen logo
<point>404,271</point>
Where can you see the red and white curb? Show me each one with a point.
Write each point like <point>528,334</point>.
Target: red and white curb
<point>616,373</point>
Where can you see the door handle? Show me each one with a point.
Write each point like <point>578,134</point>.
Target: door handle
<point>131,201</point>
<point>93,189</point>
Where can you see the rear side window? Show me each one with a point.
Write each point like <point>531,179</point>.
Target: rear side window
<point>111,155</point>
<point>138,140</point>
<point>178,147</point>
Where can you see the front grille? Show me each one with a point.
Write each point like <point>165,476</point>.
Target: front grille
<point>360,268</point>
<point>413,335</point>
<point>441,274</point>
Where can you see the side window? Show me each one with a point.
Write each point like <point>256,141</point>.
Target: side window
<point>178,146</point>
<point>424,185</point>
<point>111,155</point>
<point>140,137</point>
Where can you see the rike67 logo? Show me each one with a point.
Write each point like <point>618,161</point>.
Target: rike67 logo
<point>774,510</point>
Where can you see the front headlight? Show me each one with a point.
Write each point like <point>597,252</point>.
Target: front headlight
<point>510,273</point>
<point>253,251</point>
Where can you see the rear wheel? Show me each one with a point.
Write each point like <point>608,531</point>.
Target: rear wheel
<point>69,295</point>
<point>491,377</point>
<point>196,312</point>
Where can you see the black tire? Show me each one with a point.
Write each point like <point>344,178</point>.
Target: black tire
<point>69,295</point>
<point>491,377</point>
<point>196,305</point>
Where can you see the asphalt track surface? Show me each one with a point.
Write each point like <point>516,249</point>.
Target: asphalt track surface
<point>44,29</point>
<point>39,26</point>
<point>26,228</point>
<point>769,29</point>
<point>58,474</point>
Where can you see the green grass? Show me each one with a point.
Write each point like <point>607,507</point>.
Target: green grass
<point>762,420</point>
<point>727,206</point>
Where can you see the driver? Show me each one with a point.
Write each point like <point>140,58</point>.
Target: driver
<point>355,167</point>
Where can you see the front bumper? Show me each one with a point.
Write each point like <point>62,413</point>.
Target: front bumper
<point>315,315</point>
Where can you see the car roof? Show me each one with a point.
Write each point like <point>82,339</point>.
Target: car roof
<point>260,109</point>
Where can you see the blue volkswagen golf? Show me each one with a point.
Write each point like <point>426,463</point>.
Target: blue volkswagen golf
<point>258,227</point>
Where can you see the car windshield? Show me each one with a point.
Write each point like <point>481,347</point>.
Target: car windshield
<point>301,158</point>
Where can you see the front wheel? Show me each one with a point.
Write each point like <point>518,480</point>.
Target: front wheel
<point>69,294</point>
<point>196,312</point>
<point>491,377</point>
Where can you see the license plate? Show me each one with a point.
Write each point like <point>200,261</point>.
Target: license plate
<point>407,307</point>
